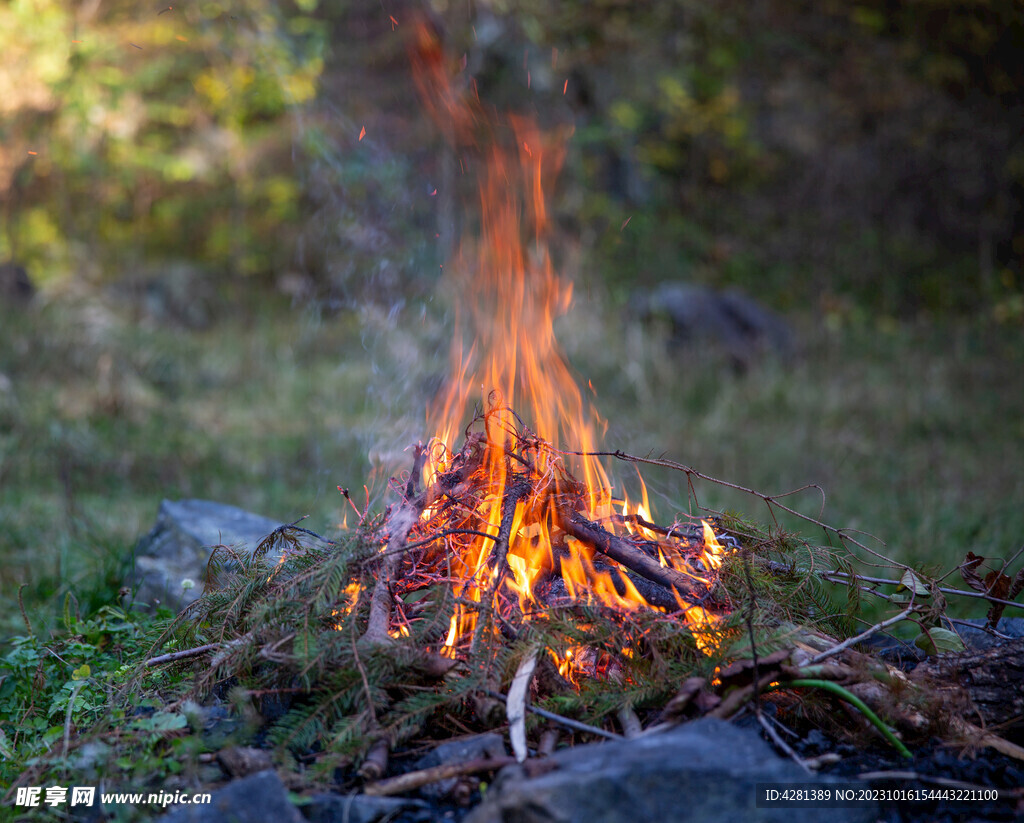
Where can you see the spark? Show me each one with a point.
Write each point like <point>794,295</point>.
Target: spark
<point>33,153</point>
<point>394,22</point>
<point>565,88</point>
<point>625,222</point>
<point>362,132</point>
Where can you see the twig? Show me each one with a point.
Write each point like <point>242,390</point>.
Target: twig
<point>499,555</point>
<point>568,722</point>
<point>376,762</point>
<point>828,574</point>
<point>24,614</point>
<point>780,743</point>
<point>181,655</point>
<point>410,781</point>
<point>864,635</point>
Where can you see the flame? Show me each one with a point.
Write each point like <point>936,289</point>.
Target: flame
<point>509,296</point>
<point>351,592</point>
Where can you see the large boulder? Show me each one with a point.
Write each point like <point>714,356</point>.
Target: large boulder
<point>705,771</point>
<point>178,547</point>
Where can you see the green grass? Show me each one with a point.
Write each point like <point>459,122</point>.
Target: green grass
<point>915,432</point>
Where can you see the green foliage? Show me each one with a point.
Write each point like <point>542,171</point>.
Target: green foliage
<point>49,687</point>
<point>136,129</point>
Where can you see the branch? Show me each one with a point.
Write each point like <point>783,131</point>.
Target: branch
<point>182,655</point>
<point>568,722</point>
<point>624,552</point>
<point>410,781</point>
<point>400,523</point>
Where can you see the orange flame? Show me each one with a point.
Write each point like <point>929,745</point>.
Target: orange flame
<point>509,297</point>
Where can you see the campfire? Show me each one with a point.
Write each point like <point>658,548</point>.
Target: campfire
<point>516,524</point>
<point>512,585</point>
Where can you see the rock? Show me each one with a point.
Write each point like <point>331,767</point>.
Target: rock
<point>179,545</point>
<point>259,798</point>
<point>698,315</point>
<point>459,751</point>
<point>361,808</point>
<point>241,761</point>
<point>704,771</point>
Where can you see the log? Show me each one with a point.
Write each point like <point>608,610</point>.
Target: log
<point>988,683</point>
<point>624,552</point>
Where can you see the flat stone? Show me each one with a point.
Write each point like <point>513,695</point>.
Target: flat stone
<point>258,798</point>
<point>179,546</point>
<point>704,771</point>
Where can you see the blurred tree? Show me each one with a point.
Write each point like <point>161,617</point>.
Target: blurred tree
<point>137,131</point>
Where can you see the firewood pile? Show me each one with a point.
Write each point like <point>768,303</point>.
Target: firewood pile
<point>504,523</point>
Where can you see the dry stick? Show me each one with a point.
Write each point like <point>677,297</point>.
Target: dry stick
<point>903,615</point>
<point>399,524</point>
<point>376,762</point>
<point>769,500</point>
<point>828,574</point>
<point>182,655</point>
<point>410,781</point>
<point>622,551</point>
<point>782,744</point>
<point>513,495</point>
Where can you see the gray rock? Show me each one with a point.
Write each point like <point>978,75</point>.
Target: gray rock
<point>259,798</point>
<point>179,546</point>
<point>729,320</point>
<point>705,771</point>
<point>459,751</point>
<point>361,808</point>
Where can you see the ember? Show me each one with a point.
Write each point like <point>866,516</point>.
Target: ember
<point>515,525</point>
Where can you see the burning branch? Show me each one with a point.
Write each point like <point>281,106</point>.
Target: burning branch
<point>631,557</point>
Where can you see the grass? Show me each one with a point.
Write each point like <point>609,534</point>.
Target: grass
<point>914,431</point>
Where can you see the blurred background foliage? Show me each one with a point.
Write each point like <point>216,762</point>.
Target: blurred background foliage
<point>237,217</point>
<point>133,132</point>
